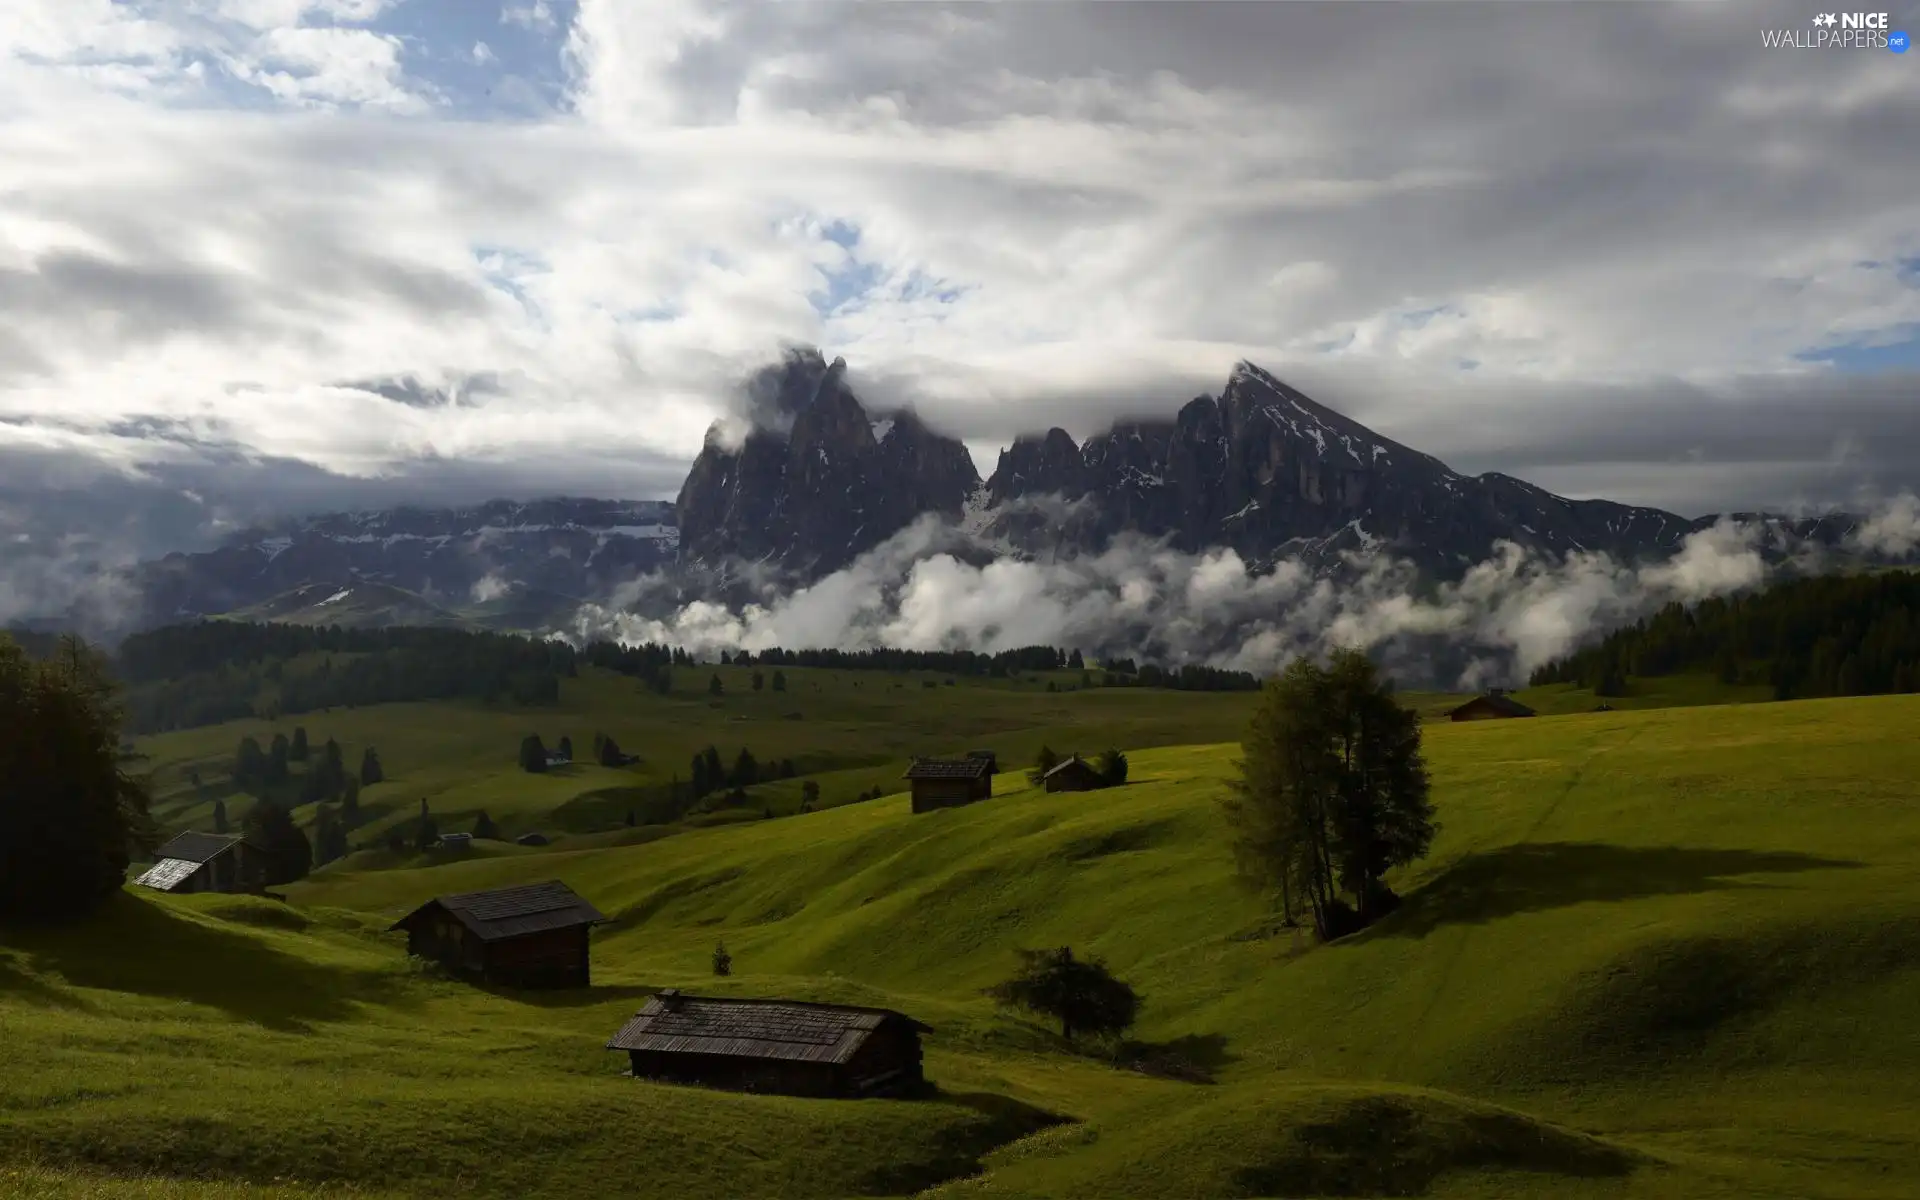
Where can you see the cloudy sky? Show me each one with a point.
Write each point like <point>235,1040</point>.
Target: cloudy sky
<point>260,256</point>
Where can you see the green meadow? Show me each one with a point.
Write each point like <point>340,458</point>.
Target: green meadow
<point>1665,952</point>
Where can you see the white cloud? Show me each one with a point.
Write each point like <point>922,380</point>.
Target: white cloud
<point>483,53</point>
<point>1063,211</point>
<point>1504,618</point>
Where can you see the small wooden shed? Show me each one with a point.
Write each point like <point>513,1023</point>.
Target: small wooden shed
<point>949,782</point>
<point>786,1046</point>
<point>207,862</point>
<point>1073,774</point>
<point>535,936</point>
<point>1491,707</point>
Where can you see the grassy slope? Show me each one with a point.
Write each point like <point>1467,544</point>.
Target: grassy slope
<point>1668,953</point>
<point>855,730</point>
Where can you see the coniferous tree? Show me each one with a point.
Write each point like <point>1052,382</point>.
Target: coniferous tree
<point>69,809</point>
<point>701,785</point>
<point>426,833</point>
<point>759,681</point>
<point>277,773</point>
<point>565,747</point>
<point>779,681</point>
<point>249,766</point>
<point>722,961</point>
<point>350,803</point>
<point>714,686</point>
<point>1332,793</point>
<point>1043,762</point>
<point>1113,768</point>
<point>809,796</point>
<point>716,774</point>
<point>289,855</point>
<point>1075,662</point>
<point>219,816</point>
<point>371,772</point>
<point>533,754</point>
<point>483,827</point>
<point>746,771</point>
<point>297,750</point>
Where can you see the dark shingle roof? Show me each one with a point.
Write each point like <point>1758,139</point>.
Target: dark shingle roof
<point>949,768</point>
<point>1506,706</point>
<point>197,847</point>
<point>781,1029</point>
<point>510,912</point>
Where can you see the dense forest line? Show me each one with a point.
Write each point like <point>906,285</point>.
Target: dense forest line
<point>1839,635</point>
<point>205,672</point>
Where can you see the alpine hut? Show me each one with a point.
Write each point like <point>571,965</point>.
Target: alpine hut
<point>207,862</point>
<point>1493,706</point>
<point>786,1046</point>
<point>949,782</point>
<point>535,936</point>
<point>1073,774</point>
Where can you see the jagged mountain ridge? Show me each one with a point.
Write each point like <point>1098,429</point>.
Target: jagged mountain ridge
<point>1273,474</point>
<point>816,481</point>
<point>1262,468</point>
<point>455,558</point>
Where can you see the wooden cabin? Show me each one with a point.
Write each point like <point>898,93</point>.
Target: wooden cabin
<point>1073,774</point>
<point>207,862</point>
<point>786,1046</point>
<point>949,782</point>
<point>1493,706</point>
<point>534,936</point>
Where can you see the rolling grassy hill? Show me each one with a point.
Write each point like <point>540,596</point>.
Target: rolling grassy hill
<point>1667,953</point>
<point>847,730</point>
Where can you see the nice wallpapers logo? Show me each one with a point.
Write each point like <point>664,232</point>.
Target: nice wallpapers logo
<point>1838,31</point>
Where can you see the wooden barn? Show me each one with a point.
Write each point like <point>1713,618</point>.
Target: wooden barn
<point>785,1046</point>
<point>949,782</point>
<point>207,862</point>
<point>1493,706</point>
<point>1073,774</point>
<point>536,936</point>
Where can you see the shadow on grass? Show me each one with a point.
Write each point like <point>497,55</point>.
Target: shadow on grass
<point>1384,1146</point>
<point>139,947</point>
<point>586,997</point>
<point>1194,1058</point>
<point>957,1152</point>
<point>16,984</point>
<point>1536,876</point>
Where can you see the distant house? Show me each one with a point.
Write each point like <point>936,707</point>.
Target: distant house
<point>557,759</point>
<point>532,839</point>
<point>531,936</point>
<point>457,841</point>
<point>949,782</point>
<point>1073,774</point>
<point>207,862</point>
<point>785,1046</point>
<point>1493,706</point>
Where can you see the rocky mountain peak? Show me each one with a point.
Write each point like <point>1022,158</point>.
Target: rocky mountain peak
<point>819,480</point>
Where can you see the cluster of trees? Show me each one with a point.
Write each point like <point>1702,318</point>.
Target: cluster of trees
<point>186,675</point>
<point>1123,672</point>
<point>1333,792</point>
<point>711,774</point>
<point>325,780</point>
<point>951,662</point>
<point>72,814</point>
<point>1848,635</point>
<point>651,664</point>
